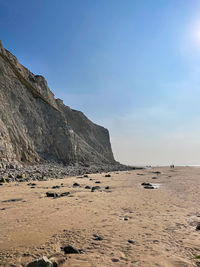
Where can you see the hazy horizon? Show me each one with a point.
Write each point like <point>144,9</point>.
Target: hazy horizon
<point>130,66</point>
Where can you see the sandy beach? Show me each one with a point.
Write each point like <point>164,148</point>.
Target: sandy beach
<point>137,226</point>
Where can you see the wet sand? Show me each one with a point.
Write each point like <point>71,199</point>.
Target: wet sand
<point>161,222</point>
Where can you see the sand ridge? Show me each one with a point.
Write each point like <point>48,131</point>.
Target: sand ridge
<point>160,221</point>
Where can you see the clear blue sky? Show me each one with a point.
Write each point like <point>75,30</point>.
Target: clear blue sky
<point>132,66</point>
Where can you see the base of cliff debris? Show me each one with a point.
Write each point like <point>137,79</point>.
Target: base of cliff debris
<point>10,172</point>
<point>124,225</point>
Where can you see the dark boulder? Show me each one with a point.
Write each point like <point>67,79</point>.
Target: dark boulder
<point>146,184</point>
<point>76,185</point>
<point>97,237</point>
<point>198,227</point>
<point>2,180</point>
<point>131,241</point>
<point>70,250</point>
<point>87,187</point>
<point>148,187</point>
<point>51,194</point>
<point>64,194</point>
<point>43,262</point>
<point>95,188</point>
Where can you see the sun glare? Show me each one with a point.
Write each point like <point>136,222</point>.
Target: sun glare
<point>195,34</point>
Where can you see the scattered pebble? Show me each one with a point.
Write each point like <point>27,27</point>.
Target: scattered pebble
<point>114,260</point>
<point>51,194</point>
<point>87,187</point>
<point>2,180</point>
<point>13,200</point>
<point>148,187</point>
<point>95,188</point>
<point>21,176</point>
<point>131,241</point>
<point>145,184</point>
<point>31,184</point>
<point>70,250</point>
<point>55,186</point>
<point>97,237</point>
<point>76,185</point>
<point>43,262</point>
<point>64,194</point>
<point>198,227</point>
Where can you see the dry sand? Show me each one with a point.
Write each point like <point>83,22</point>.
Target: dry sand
<point>162,221</point>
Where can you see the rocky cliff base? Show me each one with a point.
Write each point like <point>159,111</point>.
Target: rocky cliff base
<point>44,172</point>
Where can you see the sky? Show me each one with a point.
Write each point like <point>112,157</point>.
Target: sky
<point>132,66</point>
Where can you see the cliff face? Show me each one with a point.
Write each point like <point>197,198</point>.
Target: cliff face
<point>34,126</point>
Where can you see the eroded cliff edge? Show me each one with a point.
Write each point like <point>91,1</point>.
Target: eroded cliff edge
<point>35,127</point>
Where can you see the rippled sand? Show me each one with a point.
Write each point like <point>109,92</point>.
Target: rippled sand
<point>161,221</point>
